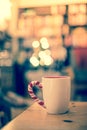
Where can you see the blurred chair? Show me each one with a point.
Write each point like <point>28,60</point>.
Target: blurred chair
<point>8,98</point>
<point>79,66</point>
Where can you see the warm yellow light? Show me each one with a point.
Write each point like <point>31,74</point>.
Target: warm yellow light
<point>54,9</point>
<point>42,54</point>
<point>5,9</point>
<point>48,60</point>
<point>44,43</point>
<point>5,12</point>
<point>45,58</point>
<point>34,61</point>
<point>35,44</point>
<point>48,52</point>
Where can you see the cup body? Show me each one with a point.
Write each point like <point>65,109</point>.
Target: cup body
<point>56,93</point>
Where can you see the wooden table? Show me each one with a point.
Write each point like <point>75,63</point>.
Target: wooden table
<point>36,118</point>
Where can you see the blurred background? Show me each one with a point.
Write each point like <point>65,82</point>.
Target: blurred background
<point>39,38</point>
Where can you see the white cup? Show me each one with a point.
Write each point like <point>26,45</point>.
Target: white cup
<point>56,93</point>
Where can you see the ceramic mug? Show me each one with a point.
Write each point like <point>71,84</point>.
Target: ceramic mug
<point>56,93</point>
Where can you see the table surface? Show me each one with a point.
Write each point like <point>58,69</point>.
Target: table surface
<point>36,118</point>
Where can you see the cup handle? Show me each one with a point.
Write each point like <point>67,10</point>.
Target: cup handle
<point>31,92</point>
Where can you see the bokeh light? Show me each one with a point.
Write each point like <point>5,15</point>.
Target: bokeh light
<point>35,44</point>
<point>44,43</point>
<point>34,61</point>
